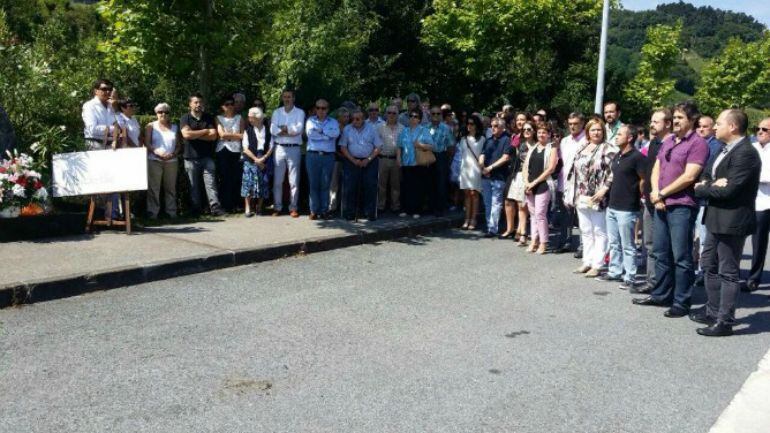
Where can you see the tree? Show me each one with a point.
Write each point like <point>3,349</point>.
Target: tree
<point>510,50</point>
<point>653,83</point>
<point>738,77</point>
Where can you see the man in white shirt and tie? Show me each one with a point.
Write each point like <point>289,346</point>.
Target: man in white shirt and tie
<point>759,238</point>
<point>286,126</point>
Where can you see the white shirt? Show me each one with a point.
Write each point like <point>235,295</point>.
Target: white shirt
<point>260,133</point>
<point>568,148</point>
<point>230,125</point>
<point>763,195</point>
<point>294,121</point>
<point>97,119</point>
<point>132,128</point>
<point>163,140</point>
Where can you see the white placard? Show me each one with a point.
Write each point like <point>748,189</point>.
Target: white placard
<point>99,171</point>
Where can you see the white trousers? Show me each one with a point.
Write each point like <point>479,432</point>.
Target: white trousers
<point>593,234</point>
<point>286,158</point>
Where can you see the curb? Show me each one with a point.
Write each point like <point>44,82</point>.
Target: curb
<point>48,289</point>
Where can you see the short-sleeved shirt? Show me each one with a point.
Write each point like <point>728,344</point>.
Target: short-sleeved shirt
<point>406,143</point>
<point>197,148</point>
<point>494,149</point>
<point>627,170</point>
<point>673,158</point>
<point>442,137</point>
<point>360,142</point>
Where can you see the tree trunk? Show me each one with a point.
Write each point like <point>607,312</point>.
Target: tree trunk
<point>204,73</point>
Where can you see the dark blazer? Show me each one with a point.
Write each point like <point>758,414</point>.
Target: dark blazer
<point>730,209</point>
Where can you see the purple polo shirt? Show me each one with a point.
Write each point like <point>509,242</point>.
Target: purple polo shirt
<point>693,149</point>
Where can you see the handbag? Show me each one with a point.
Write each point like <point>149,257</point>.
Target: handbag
<point>584,202</point>
<point>424,158</point>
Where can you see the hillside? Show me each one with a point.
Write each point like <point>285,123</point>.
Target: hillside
<point>706,31</point>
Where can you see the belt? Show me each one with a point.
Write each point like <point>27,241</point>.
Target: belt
<point>388,156</point>
<point>288,144</point>
<point>320,152</point>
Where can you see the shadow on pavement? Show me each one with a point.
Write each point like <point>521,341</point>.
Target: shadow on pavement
<point>759,323</point>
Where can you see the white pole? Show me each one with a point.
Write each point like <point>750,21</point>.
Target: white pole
<point>602,56</point>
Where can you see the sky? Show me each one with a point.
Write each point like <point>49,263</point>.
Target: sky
<point>759,9</point>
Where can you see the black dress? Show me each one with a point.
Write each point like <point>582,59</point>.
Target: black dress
<point>536,168</point>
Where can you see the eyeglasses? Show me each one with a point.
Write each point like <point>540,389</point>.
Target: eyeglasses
<point>105,89</point>
<point>435,114</point>
<point>497,125</point>
<point>161,112</point>
<point>392,112</point>
<point>759,128</point>
<point>372,110</point>
<point>414,116</point>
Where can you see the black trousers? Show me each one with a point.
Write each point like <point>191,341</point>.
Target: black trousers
<point>415,183</point>
<point>759,246</point>
<point>439,173</point>
<point>229,175</point>
<point>721,262</point>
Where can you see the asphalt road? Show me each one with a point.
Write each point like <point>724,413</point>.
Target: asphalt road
<point>442,334</point>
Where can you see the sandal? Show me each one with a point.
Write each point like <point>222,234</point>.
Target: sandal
<point>542,250</point>
<point>466,225</point>
<point>532,247</point>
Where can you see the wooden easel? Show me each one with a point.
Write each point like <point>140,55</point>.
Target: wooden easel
<point>109,222</point>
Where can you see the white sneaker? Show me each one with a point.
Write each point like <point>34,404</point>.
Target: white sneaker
<point>402,215</point>
<point>416,216</point>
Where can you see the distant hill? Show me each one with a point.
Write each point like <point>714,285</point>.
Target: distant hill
<point>706,31</point>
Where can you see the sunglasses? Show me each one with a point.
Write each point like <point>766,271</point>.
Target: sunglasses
<point>372,110</point>
<point>392,112</point>
<point>759,128</point>
<point>435,114</point>
<point>527,129</point>
<point>105,89</point>
<point>414,116</point>
<point>161,112</point>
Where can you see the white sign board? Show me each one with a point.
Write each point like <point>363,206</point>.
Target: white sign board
<point>99,171</point>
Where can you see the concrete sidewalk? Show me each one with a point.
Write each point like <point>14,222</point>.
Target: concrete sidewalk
<point>48,269</point>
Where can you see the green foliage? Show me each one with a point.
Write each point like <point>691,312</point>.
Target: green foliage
<point>515,49</point>
<point>44,80</point>
<point>652,83</point>
<point>738,77</point>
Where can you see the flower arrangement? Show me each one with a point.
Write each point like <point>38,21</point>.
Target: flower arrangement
<point>20,184</point>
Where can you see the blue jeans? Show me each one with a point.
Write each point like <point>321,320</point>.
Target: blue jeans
<point>620,234</point>
<point>673,255</point>
<point>492,192</point>
<point>363,179</point>
<point>319,177</point>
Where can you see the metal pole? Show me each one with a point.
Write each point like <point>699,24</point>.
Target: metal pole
<point>602,56</point>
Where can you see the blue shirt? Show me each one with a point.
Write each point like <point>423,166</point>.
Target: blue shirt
<point>322,135</point>
<point>715,146</point>
<point>406,143</point>
<point>442,137</point>
<point>360,142</point>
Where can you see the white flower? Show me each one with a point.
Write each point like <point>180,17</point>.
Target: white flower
<point>32,173</point>
<point>18,191</point>
<point>74,93</point>
<point>41,194</point>
<point>63,127</point>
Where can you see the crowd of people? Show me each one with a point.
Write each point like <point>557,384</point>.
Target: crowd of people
<point>629,190</point>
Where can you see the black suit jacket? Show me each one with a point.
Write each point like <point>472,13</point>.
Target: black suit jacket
<point>731,209</point>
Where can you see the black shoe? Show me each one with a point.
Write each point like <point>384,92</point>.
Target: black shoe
<point>607,278</point>
<point>698,280</point>
<point>578,254</point>
<point>640,290</point>
<point>217,212</point>
<point>750,286</point>
<point>702,318</point>
<point>649,301</point>
<point>718,329</point>
<point>489,235</point>
<point>675,312</point>
<point>628,285</point>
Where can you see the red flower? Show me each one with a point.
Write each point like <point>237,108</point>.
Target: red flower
<point>22,181</point>
<point>2,169</point>
<point>38,185</point>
